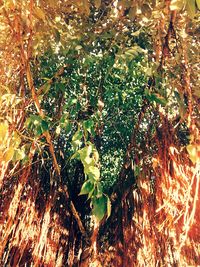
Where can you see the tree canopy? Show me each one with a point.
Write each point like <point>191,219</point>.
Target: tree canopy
<point>99,133</point>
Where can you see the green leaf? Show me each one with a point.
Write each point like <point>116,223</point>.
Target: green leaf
<point>99,207</point>
<point>136,170</point>
<point>61,87</point>
<point>76,144</point>
<point>134,51</point>
<point>157,98</point>
<point>19,154</point>
<point>91,193</point>
<point>86,188</point>
<point>38,131</point>
<point>76,155</point>
<point>85,157</point>
<point>44,89</point>
<point>99,190</point>
<point>68,127</point>
<point>65,123</point>
<point>88,161</point>
<point>95,155</point>
<point>36,124</point>
<point>93,173</point>
<point>78,135</point>
<point>72,101</point>
<point>44,126</point>
<point>85,152</point>
<point>89,126</point>
<point>33,119</point>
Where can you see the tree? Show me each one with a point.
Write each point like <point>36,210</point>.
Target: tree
<point>99,132</point>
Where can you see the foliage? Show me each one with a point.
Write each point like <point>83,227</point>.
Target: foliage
<point>91,84</point>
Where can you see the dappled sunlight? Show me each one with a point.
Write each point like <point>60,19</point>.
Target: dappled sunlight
<point>99,133</point>
<point>164,228</point>
<point>30,236</point>
<point>170,222</point>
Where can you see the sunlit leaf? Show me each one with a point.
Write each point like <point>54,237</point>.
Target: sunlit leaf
<point>198,3</point>
<point>85,155</point>
<point>191,8</point>
<point>19,154</point>
<point>3,131</point>
<point>76,144</point>
<point>39,13</point>
<point>77,136</point>
<point>96,155</point>
<point>194,152</point>
<point>16,140</point>
<point>94,173</point>
<point>58,130</point>
<point>177,4</point>
<point>76,139</point>
<point>8,155</point>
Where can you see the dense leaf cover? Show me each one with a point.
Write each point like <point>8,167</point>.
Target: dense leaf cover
<point>99,113</point>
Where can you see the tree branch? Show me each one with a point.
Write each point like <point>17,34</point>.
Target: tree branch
<point>50,143</point>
